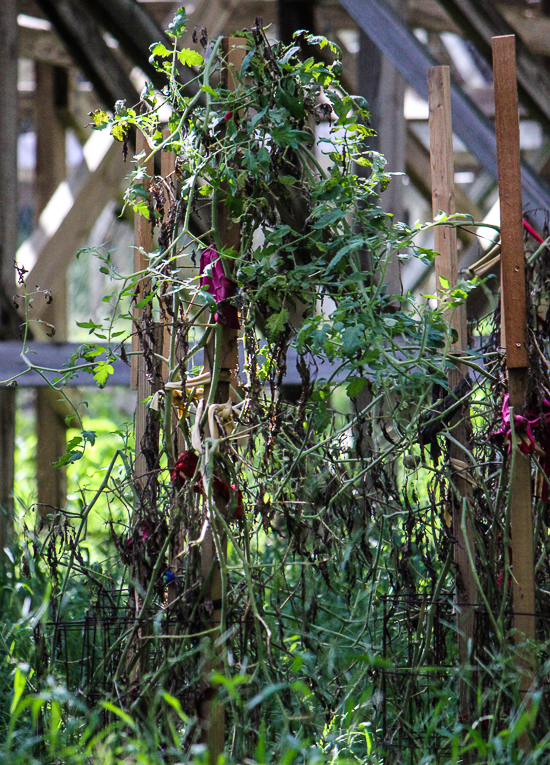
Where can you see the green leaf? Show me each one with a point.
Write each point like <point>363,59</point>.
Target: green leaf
<point>190,57</point>
<point>99,118</point>
<point>444,282</point>
<point>178,24</point>
<point>76,441</point>
<point>119,712</point>
<point>363,161</point>
<point>175,703</point>
<point>356,386</point>
<point>19,682</point>
<point>276,323</point>
<point>89,436</point>
<point>210,90</point>
<point>158,49</point>
<point>68,458</point>
<point>119,131</point>
<point>352,339</point>
<point>102,372</point>
<point>288,55</point>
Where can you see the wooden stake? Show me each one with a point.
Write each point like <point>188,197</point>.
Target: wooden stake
<point>167,167</point>
<point>514,309</point>
<point>446,267</point>
<point>213,713</point>
<point>143,240</point>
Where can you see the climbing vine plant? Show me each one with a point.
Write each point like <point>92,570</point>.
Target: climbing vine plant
<point>320,488</point>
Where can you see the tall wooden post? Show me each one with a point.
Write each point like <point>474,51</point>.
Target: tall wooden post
<point>143,240</point>
<point>167,167</point>
<point>446,268</point>
<point>51,96</point>
<point>213,713</point>
<point>8,246</point>
<point>145,426</point>
<point>514,309</point>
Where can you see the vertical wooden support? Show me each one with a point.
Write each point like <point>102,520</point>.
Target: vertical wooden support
<point>8,246</point>
<point>167,168</point>
<point>514,309</point>
<point>446,267</point>
<point>51,96</point>
<point>51,444</point>
<point>384,88</point>
<point>213,713</point>
<point>143,240</point>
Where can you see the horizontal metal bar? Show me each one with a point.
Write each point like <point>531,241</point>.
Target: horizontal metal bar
<point>56,355</point>
<point>50,356</point>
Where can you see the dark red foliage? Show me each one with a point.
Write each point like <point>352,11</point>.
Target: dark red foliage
<point>185,466</point>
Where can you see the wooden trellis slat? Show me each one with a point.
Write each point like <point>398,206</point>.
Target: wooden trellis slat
<point>446,268</point>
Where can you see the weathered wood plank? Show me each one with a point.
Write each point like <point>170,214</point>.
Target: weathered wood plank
<point>509,184</point>
<point>51,96</point>
<point>446,267</point>
<point>55,355</point>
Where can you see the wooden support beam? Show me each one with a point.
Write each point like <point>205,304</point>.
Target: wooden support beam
<point>136,31</point>
<point>411,57</point>
<point>8,246</point>
<point>480,21</point>
<point>42,45</point>
<point>50,96</point>
<point>167,168</point>
<point>69,218</point>
<point>446,268</point>
<point>84,40</point>
<point>51,441</point>
<point>514,308</point>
